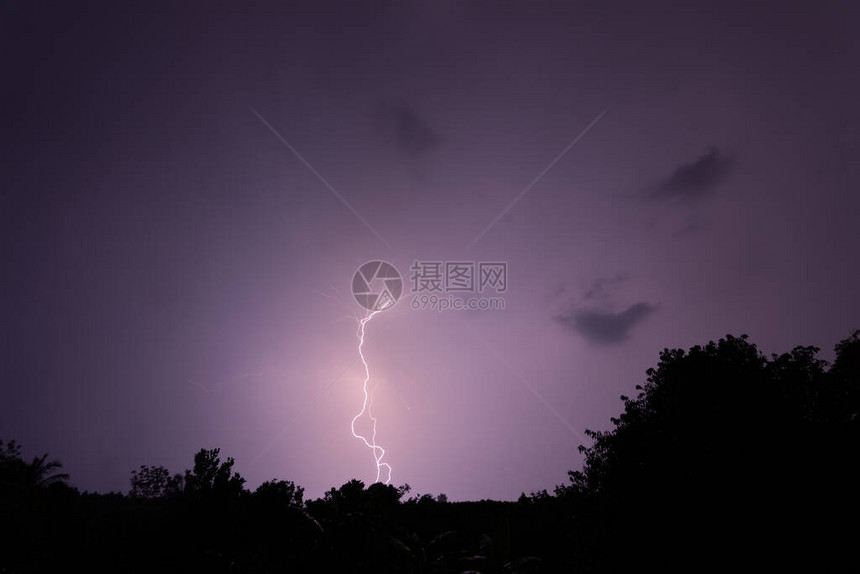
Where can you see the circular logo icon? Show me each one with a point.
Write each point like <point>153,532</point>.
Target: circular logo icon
<point>377,285</point>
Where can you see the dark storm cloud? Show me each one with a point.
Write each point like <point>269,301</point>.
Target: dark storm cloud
<point>694,179</point>
<point>409,131</point>
<point>604,327</point>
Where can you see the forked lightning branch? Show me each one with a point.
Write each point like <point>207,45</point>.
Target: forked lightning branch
<point>377,286</point>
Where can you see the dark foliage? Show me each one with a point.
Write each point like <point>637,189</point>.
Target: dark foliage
<point>154,482</point>
<point>724,458</point>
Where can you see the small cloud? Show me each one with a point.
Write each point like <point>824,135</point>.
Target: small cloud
<point>600,289</point>
<point>409,131</point>
<point>693,180</point>
<point>605,327</point>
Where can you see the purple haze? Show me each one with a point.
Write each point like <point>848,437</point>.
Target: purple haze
<point>174,277</point>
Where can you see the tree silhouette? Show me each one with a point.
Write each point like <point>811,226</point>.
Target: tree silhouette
<point>841,399</point>
<point>40,473</point>
<point>719,445</point>
<point>11,462</point>
<point>212,478</point>
<point>280,493</point>
<point>154,482</point>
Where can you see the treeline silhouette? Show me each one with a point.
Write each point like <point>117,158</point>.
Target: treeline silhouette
<point>724,459</point>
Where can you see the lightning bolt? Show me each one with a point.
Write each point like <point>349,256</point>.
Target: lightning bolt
<point>378,451</point>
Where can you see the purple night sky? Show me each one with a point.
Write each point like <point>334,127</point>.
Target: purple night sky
<point>175,277</point>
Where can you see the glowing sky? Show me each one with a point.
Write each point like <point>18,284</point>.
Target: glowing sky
<point>175,277</point>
